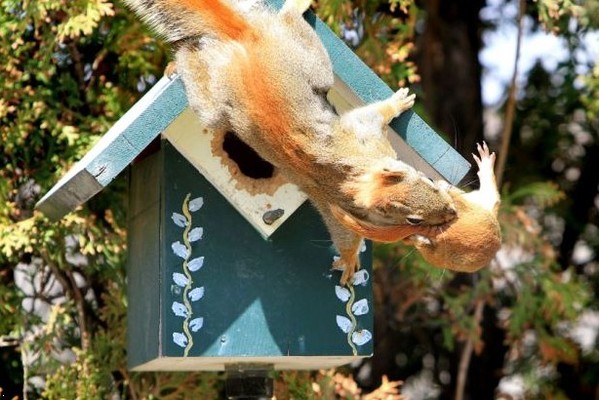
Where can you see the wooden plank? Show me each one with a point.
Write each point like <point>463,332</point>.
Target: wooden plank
<point>143,261</point>
<point>219,363</point>
<point>117,148</point>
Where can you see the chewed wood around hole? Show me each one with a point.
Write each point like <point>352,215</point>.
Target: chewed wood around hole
<point>255,188</point>
<point>249,171</point>
<point>248,161</point>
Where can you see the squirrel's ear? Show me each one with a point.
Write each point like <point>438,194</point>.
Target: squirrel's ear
<point>392,177</point>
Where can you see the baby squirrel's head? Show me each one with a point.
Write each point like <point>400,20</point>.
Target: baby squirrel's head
<point>399,200</point>
<point>466,244</point>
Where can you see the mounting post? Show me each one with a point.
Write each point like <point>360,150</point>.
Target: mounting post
<point>249,381</point>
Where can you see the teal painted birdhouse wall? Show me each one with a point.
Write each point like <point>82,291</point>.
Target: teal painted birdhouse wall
<point>206,289</point>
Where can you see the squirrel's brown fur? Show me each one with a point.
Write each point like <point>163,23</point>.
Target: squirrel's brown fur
<point>264,76</point>
<point>468,243</point>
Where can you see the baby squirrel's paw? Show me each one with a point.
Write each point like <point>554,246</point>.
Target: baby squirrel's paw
<point>418,240</point>
<point>402,101</point>
<point>486,159</point>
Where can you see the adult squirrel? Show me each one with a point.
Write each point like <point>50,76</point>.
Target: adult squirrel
<point>264,75</point>
<point>466,244</point>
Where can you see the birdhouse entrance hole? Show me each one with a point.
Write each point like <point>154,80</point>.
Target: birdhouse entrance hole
<point>248,161</point>
<point>256,188</point>
<point>249,172</point>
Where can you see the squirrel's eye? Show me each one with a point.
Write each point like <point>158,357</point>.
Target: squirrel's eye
<point>414,220</point>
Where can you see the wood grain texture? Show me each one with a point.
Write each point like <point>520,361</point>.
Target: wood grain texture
<point>143,261</point>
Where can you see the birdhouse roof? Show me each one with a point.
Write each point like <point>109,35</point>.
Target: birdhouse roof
<point>355,85</point>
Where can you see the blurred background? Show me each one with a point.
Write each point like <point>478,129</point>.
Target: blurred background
<point>521,75</point>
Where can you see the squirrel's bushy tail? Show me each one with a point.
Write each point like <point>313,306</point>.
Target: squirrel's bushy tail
<point>179,19</point>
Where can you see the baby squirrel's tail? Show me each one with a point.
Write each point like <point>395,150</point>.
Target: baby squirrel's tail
<point>179,19</point>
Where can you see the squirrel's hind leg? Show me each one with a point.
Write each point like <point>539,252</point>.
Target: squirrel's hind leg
<point>348,245</point>
<point>206,92</point>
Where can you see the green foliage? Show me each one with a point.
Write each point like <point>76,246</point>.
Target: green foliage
<point>388,41</point>
<point>556,14</point>
<point>83,379</point>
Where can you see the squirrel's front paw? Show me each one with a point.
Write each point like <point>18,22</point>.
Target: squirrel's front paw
<point>402,100</point>
<point>418,240</point>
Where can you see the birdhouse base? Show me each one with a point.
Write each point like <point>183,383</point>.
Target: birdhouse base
<point>220,363</point>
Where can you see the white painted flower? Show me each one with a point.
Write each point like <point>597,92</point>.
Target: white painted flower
<point>195,234</point>
<point>361,337</point>
<point>342,293</point>
<point>363,246</point>
<point>179,219</point>
<point>179,339</point>
<point>196,204</point>
<point>196,294</point>
<point>180,279</point>
<point>343,323</point>
<point>179,249</point>
<point>361,277</point>
<point>179,309</point>
<point>196,324</point>
<point>360,307</point>
<point>195,264</point>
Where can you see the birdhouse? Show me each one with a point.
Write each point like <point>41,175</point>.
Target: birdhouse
<point>228,263</point>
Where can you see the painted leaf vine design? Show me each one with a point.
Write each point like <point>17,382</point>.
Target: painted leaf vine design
<point>184,279</point>
<point>348,323</point>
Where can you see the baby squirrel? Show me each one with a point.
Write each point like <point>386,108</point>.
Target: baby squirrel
<point>471,241</point>
<point>467,243</point>
<point>264,75</point>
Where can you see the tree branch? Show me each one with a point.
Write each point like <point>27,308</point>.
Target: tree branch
<point>466,355</point>
<point>510,107</point>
